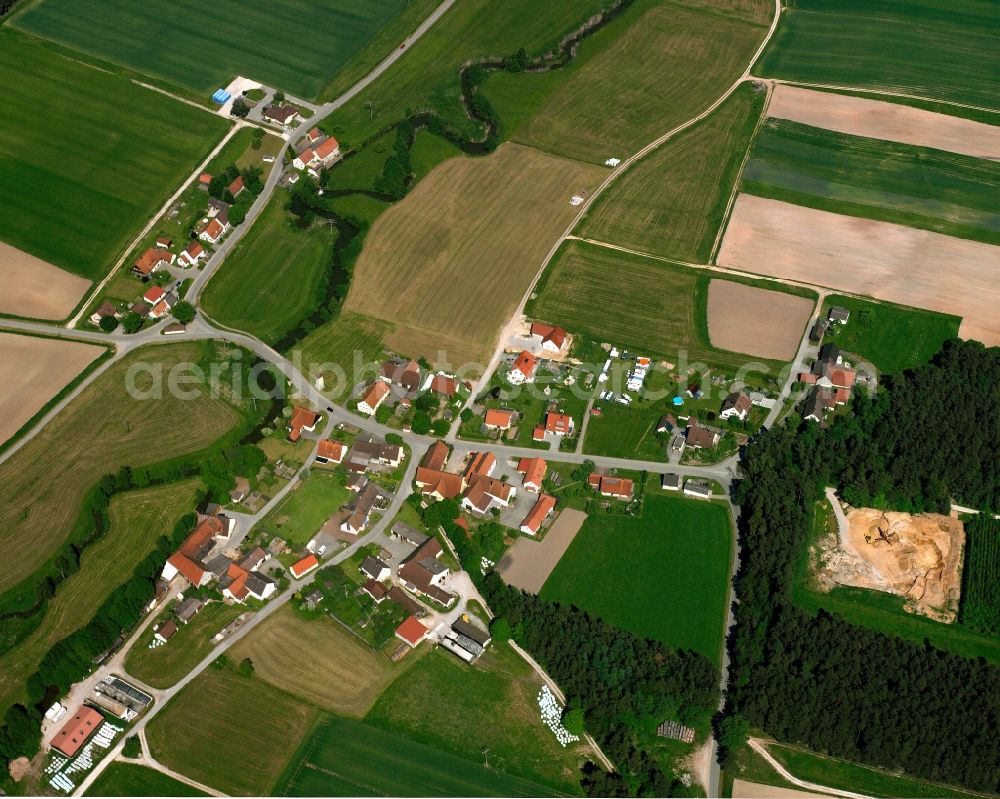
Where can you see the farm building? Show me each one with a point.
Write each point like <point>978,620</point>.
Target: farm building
<point>438,484</point>
<point>436,456</point>
<point>301,419</point>
<point>539,513</point>
<point>375,590</point>
<point>152,259</point>
<point>424,574</point>
<point>839,315</point>
<point>442,384</point>
<point>165,631</point>
<point>480,463</point>
<point>190,559</point>
<point>405,374</point>
<point>698,489</point>
<point>533,470</point>
<point>374,569</point>
<point>615,487</point>
<point>373,397</point>
<point>302,567</point>
<point>281,114</point>
<point>670,482</point>
<point>485,493</point>
<point>75,732</point>
<point>412,631</point>
<point>552,338</point>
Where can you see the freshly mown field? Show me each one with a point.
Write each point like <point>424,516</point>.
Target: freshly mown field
<point>129,779</point>
<point>891,337</point>
<point>338,350</point>
<point>502,686</point>
<point>342,757</point>
<point>164,666</point>
<point>45,481</point>
<point>273,278</point>
<point>293,45</point>
<point>319,661</point>
<point>980,605</point>
<point>656,307</point>
<point>233,733</point>
<point>652,68</point>
<point>663,574</point>
<point>428,77</point>
<point>848,776</point>
<point>449,264</point>
<point>941,49</point>
<point>92,156</point>
<point>874,179</point>
<point>674,200</point>
<point>138,518</point>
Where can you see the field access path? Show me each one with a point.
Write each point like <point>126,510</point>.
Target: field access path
<point>759,746</point>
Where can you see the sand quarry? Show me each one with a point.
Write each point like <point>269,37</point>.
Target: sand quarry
<point>768,324</point>
<point>35,288</point>
<point>32,371</point>
<point>916,557</point>
<point>528,563</point>
<point>876,119</point>
<point>879,259</point>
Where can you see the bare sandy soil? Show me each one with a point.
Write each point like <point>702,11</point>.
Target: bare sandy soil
<point>529,563</point>
<point>755,790</point>
<point>756,321</point>
<point>876,119</point>
<point>32,371</point>
<point>916,557</point>
<point>35,288</point>
<point>879,259</point>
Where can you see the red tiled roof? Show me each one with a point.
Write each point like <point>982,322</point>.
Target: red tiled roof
<point>619,487</point>
<point>441,384</point>
<point>538,434</point>
<point>533,470</point>
<point>149,260</point>
<point>481,463</point>
<point>304,566</point>
<point>375,394</point>
<point>307,156</point>
<point>331,450</point>
<point>204,178</point>
<point>327,148</point>
<point>301,417</point>
<point>194,249</point>
<point>77,730</point>
<point>412,630</point>
<point>498,418</point>
<point>525,363</point>
<point>154,294</point>
<point>552,333</point>
<point>314,134</point>
<point>436,456</point>
<point>432,481</point>
<point>539,511</point>
<point>213,229</point>
<point>236,186</point>
<point>558,423</point>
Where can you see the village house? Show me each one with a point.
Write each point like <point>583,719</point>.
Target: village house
<point>559,424</point>
<point>839,315</point>
<point>552,338</point>
<point>485,493</point>
<point>152,259</point>
<point>240,490</point>
<point>302,419</point>
<point>106,308</point>
<point>496,419</point>
<point>218,209</point>
<point>423,574</point>
<point>242,581</point>
<point>190,559</point>
<point>412,631</point>
<point>699,437</point>
<point>375,590</point>
<point>438,484</point>
<point>666,424</point>
<point>523,369</point>
<point>191,255</point>
<point>533,470</point>
<point>539,512</point>
<point>736,404</point>
<point>373,397</point>
<point>314,135</point>
<point>480,463</point>
<point>236,186</point>
<point>405,374</point>
<point>355,515</point>
<point>374,569</point>
<point>328,150</point>
<point>436,456</point>
<point>213,230</point>
<point>614,487</point>
<point>301,568</point>
<point>329,451</point>
<point>367,453</point>
<point>818,402</point>
<point>281,114</point>
<point>165,631</point>
<point>204,180</point>
<point>670,482</point>
<point>442,385</point>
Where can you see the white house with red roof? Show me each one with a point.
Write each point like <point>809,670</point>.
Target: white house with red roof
<point>304,159</point>
<point>191,254</point>
<point>328,150</point>
<point>213,230</point>
<point>523,369</point>
<point>551,337</point>
<point>301,568</point>
<point>538,514</point>
<point>374,397</point>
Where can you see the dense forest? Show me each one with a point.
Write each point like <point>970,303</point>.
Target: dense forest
<point>980,607</point>
<point>932,433</point>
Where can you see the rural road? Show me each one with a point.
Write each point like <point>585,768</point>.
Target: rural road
<point>759,747</point>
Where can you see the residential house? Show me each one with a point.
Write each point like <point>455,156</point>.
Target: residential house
<point>694,391</point>
<point>191,255</point>
<point>106,308</point>
<point>422,572</point>
<point>670,482</point>
<point>329,451</point>
<point>242,488</point>
<point>302,419</point>
<point>405,374</point>
<point>436,456</point>
<point>698,489</point>
<point>280,114</point>
<point>666,424</point>
<point>559,424</point>
<point>304,159</point>
<point>376,591</point>
<point>614,487</point>
<point>367,453</point>
<point>818,330</point>
<point>314,135</point>
<point>140,307</point>
<point>190,559</point>
<point>839,315</point>
<point>236,186</point>
<point>677,443</point>
<point>375,569</point>
<point>523,369</point>
<point>443,385</point>
<point>213,230</point>
<point>538,433</point>
<point>164,242</point>
<point>480,463</point>
<point>539,512</point>
<point>373,397</point>
<point>356,514</point>
<point>497,419</point>
<point>204,180</point>
<point>412,631</point>
<point>818,402</point>
<point>485,493</point>
<point>158,311</point>
<point>736,404</point>
<point>438,484</point>
<point>239,583</point>
<point>328,150</point>
<point>301,568</point>
<point>218,209</point>
<point>533,470</point>
<point>552,338</point>
<point>152,259</point>
<point>699,437</point>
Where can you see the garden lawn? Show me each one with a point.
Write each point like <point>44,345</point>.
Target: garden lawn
<point>891,337</point>
<point>130,779</point>
<point>93,155</point>
<point>663,574</point>
<point>940,49</point>
<point>273,278</point>
<point>294,45</point>
<point>501,686</point>
<point>874,179</point>
<point>307,507</point>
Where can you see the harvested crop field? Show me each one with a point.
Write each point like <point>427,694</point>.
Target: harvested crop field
<point>528,563</point>
<point>880,259</point>
<point>450,263</point>
<point>756,321</point>
<point>35,288</point>
<point>32,371</point>
<point>876,119</point>
<point>318,660</point>
<point>755,790</point>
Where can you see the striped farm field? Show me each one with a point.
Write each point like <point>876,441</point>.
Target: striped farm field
<point>652,68</point>
<point>294,45</point>
<point>130,779</point>
<point>449,264</point>
<point>82,178</point>
<point>99,431</point>
<point>673,201</point>
<point>888,181</point>
<point>138,518</point>
<point>941,49</point>
<point>273,278</point>
<point>337,349</point>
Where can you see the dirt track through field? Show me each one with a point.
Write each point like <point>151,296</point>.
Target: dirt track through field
<point>32,371</point>
<point>879,259</point>
<point>755,790</point>
<point>876,119</point>
<point>35,288</point>
<point>529,563</point>
<point>756,321</point>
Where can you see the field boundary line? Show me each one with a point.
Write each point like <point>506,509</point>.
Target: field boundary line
<point>151,762</point>
<point>761,749</point>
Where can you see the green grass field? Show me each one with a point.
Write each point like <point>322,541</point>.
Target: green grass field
<point>92,157</point>
<point>232,733</point>
<point>674,200</point>
<point>273,278</point>
<point>657,307</point>
<point>892,337</point>
<point>305,509</point>
<point>333,350</point>
<point>941,49</point>
<point>662,575</point>
<point>129,779</point>
<point>657,65</point>
<point>502,686</point>
<point>874,179</point>
<point>293,45</point>
<point>342,757</point>
<point>138,518</point>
